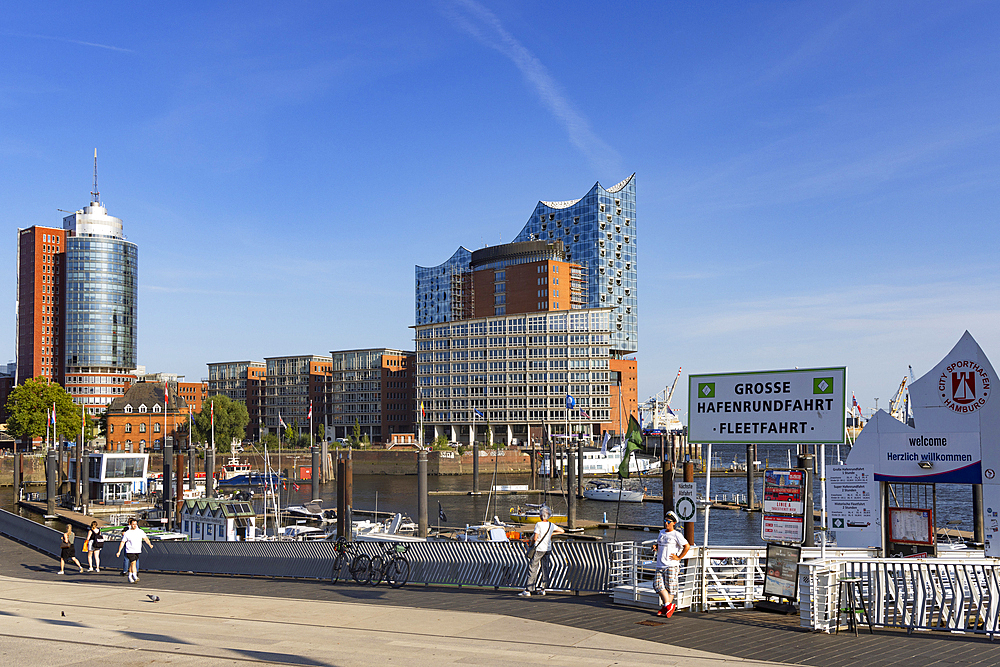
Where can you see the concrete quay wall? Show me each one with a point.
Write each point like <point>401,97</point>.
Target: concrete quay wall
<point>366,462</point>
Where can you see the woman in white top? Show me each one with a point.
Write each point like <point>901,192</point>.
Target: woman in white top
<point>541,542</point>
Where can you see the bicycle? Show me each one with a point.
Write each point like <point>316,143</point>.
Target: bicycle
<point>391,567</point>
<point>358,568</point>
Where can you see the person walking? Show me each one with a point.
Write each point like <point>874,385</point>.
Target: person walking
<point>541,545</point>
<point>132,540</point>
<point>671,548</point>
<point>68,550</point>
<point>95,540</point>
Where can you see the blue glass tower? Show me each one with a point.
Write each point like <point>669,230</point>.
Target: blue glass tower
<point>100,290</point>
<point>599,232</point>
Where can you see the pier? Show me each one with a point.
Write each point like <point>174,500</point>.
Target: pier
<point>97,613</point>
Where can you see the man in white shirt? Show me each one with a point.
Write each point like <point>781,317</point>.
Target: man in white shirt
<point>132,540</point>
<point>542,540</point>
<point>671,548</point>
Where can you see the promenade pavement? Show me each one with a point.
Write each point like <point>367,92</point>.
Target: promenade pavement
<point>52,619</point>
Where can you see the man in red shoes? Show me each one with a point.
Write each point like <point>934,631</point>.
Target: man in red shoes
<point>671,548</point>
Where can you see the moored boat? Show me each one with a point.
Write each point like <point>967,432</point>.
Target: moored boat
<point>531,513</point>
<point>606,491</point>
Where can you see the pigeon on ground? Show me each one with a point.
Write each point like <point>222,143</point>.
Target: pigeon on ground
<point>154,598</point>
<point>63,613</point>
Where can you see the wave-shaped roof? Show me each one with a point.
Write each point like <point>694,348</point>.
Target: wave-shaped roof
<point>618,187</point>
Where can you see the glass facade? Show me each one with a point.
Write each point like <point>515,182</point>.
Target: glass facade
<point>440,290</point>
<point>100,302</point>
<point>599,233</point>
<point>515,371</point>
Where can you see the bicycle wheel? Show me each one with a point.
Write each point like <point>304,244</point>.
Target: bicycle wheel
<point>376,571</point>
<point>359,568</point>
<point>398,572</point>
<point>338,566</point>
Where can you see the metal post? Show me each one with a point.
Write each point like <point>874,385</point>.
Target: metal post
<point>314,475</point>
<point>579,469</point>
<point>805,462</point>
<point>570,484</point>
<point>168,477</point>
<point>192,454</point>
<point>78,478</point>
<point>751,499</point>
<point>17,477</point>
<point>422,493</point>
<point>349,494</point>
<point>50,482</point>
<point>179,498</point>
<point>667,471</point>
<point>534,463</point>
<point>341,504</point>
<point>85,500</point>
<point>978,525</point>
<point>689,477</point>
<point>475,466</point>
<point>210,472</point>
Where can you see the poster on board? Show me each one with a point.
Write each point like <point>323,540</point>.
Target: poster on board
<point>782,567</point>
<point>851,497</point>
<point>910,525</point>
<point>784,491</point>
<point>776,528</point>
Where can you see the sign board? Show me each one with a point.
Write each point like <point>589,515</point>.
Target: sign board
<point>918,456</point>
<point>782,567</point>
<point>784,491</point>
<point>774,528</point>
<point>851,497</point>
<point>793,406</point>
<point>684,504</point>
<point>908,525</point>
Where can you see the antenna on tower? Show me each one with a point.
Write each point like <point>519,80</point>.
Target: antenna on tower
<point>95,193</point>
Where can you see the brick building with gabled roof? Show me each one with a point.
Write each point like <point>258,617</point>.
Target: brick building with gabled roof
<point>137,421</point>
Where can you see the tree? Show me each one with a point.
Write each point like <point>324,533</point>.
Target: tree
<point>320,433</point>
<point>30,405</point>
<point>271,440</point>
<point>356,435</point>
<point>231,419</point>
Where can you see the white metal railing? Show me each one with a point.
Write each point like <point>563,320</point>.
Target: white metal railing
<point>723,577</point>
<point>949,594</point>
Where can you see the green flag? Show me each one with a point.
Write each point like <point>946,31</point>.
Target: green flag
<point>633,443</point>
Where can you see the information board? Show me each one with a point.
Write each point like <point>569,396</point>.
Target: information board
<point>784,491</point>
<point>684,503</point>
<point>782,565</point>
<point>775,528</point>
<point>909,525</point>
<point>789,406</point>
<point>851,497</point>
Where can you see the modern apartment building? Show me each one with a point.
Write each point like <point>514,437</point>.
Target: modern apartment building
<point>292,384</point>
<point>516,371</point>
<point>375,389</point>
<point>566,288</point>
<point>77,305</point>
<point>241,381</point>
<point>597,233</point>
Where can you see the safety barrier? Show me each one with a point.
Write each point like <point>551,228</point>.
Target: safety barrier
<point>722,577</point>
<point>949,594</point>
<point>575,566</point>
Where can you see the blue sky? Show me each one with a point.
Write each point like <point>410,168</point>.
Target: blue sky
<point>817,182</point>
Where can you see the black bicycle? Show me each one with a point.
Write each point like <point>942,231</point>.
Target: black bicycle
<point>391,567</point>
<point>358,567</point>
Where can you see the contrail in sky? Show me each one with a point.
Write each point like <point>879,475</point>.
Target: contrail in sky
<point>71,41</point>
<point>482,24</point>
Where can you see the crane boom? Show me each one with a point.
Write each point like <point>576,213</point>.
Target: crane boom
<point>670,394</point>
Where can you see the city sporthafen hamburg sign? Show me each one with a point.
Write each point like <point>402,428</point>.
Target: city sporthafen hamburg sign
<point>795,406</point>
